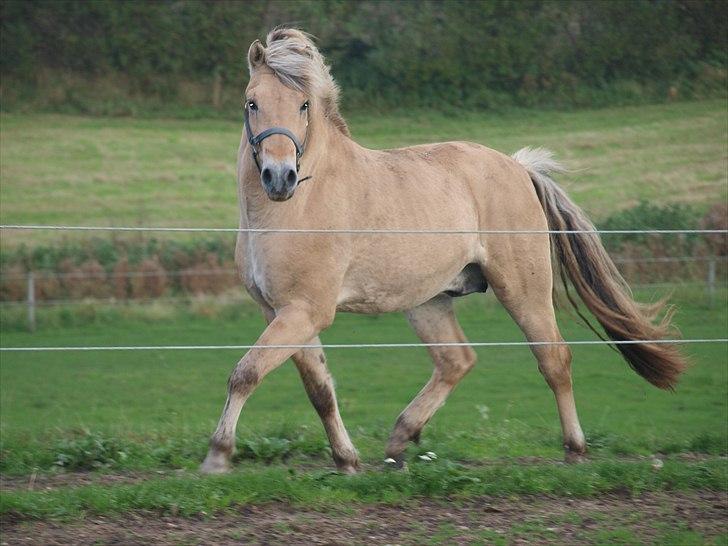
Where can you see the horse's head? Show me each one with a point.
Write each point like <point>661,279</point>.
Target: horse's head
<point>289,93</point>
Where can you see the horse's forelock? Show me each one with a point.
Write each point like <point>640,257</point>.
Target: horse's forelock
<point>294,58</point>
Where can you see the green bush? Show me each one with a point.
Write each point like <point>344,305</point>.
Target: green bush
<point>647,216</point>
<point>124,57</point>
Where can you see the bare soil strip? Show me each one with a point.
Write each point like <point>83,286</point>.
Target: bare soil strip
<point>48,481</point>
<point>524,520</point>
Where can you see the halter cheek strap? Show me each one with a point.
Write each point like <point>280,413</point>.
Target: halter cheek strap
<point>255,140</point>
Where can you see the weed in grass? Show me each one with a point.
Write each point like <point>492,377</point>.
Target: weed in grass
<point>534,532</point>
<point>492,538</point>
<point>445,533</point>
<point>712,444</point>
<point>192,495</point>
<point>269,449</point>
<point>89,451</point>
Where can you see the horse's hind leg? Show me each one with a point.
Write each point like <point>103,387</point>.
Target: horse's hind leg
<point>434,322</point>
<point>311,364</point>
<point>524,289</point>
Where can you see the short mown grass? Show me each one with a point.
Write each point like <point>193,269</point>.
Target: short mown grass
<point>98,171</point>
<point>498,434</point>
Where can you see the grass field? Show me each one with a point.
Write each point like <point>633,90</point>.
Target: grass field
<point>103,447</point>
<point>71,170</point>
<point>145,418</point>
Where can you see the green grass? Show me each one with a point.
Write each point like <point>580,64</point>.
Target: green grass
<point>151,411</point>
<point>182,392</point>
<point>75,170</point>
<point>190,495</point>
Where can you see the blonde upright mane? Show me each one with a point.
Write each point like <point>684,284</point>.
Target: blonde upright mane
<point>295,60</point>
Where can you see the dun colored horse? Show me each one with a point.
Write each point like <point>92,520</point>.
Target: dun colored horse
<point>294,132</point>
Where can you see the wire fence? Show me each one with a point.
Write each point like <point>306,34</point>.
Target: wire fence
<point>370,231</point>
<point>361,345</point>
<point>230,271</point>
<point>31,301</point>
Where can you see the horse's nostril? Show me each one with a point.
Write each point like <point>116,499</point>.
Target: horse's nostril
<point>291,177</point>
<point>266,176</point>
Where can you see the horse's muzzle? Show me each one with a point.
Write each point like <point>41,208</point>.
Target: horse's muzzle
<point>279,180</point>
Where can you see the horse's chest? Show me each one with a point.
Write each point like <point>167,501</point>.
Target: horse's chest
<point>279,273</point>
<point>261,271</point>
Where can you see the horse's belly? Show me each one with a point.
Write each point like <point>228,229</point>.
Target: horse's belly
<point>396,284</point>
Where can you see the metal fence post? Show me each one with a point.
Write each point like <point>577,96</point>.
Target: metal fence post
<point>711,280</point>
<point>31,301</point>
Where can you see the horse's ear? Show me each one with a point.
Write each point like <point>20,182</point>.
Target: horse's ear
<point>256,55</point>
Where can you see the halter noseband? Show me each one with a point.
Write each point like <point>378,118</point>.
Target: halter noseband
<point>260,137</point>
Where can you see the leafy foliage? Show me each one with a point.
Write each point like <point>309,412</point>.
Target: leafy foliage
<point>648,216</point>
<point>484,53</point>
<point>89,451</point>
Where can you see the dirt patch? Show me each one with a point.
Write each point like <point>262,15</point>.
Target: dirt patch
<point>45,482</point>
<point>524,520</point>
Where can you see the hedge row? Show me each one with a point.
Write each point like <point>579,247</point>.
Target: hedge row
<point>478,53</point>
<point>150,268</point>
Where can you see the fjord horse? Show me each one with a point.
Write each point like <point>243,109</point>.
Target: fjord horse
<point>298,168</point>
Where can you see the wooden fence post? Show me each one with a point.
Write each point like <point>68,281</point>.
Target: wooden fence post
<point>31,301</point>
<point>217,87</point>
<point>711,280</point>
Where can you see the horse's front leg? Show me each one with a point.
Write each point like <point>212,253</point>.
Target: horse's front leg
<point>311,364</point>
<point>294,324</point>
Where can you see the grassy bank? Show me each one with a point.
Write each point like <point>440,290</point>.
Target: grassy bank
<point>74,170</point>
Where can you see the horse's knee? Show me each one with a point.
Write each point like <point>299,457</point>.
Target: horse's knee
<point>554,363</point>
<point>469,358</point>
<point>243,380</point>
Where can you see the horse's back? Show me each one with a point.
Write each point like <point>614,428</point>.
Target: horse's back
<point>499,187</point>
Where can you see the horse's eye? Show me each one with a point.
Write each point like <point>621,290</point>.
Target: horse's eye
<point>252,106</point>
<point>304,107</point>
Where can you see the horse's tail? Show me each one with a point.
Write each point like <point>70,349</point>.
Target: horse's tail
<point>584,260</point>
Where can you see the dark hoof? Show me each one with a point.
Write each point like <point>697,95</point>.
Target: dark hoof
<point>348,468</point>
<point>574,457</point>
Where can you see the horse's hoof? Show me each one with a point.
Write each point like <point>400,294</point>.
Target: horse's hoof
<point>349,469</point>
<point>208,468</point>
<point>574,457</point>
<point>215,463</point>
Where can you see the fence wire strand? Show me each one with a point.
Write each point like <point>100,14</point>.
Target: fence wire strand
<point>360,345</point>
<point>378,231</point>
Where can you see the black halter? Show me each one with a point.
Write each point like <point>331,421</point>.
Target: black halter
<point>260,137</point>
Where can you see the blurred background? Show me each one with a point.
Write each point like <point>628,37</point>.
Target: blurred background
<point>185,58</point>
